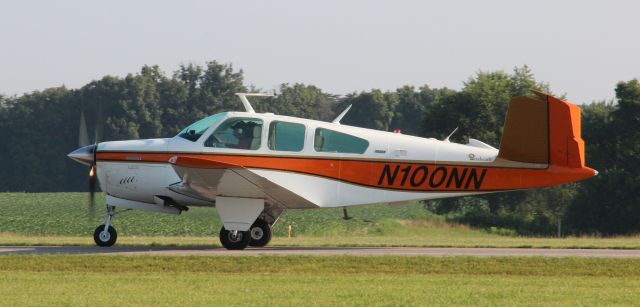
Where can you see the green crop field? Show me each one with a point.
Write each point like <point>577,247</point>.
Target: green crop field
<point>61,218</point>
<point>66,214</point>
<point>307,280</point>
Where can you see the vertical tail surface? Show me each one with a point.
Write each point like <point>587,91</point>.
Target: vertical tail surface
<point>542,129</point>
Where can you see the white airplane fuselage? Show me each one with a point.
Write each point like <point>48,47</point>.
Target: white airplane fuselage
<point>131,178</point>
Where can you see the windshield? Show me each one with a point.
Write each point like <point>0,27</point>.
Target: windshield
<point>195,130</point>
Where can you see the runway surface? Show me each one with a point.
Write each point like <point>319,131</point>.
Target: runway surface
<point>318,251</point>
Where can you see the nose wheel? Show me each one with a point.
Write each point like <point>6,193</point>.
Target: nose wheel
<point>105,238</point>
<point>105,235</point>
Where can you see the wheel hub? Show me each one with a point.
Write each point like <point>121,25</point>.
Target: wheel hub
<point>235,237</point>
<point>105,236</point>
<point>256,233</point>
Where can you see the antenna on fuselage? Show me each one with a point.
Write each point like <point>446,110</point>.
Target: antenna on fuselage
<point>339,118</point>
<point>247,104</point>
<point>450,134</point>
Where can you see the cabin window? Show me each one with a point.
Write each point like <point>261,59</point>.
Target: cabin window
<point>332,141</point>
<point>286,136</point>
<point>237,133</point>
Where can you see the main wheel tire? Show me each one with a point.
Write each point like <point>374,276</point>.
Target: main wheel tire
<point>239,241</point>
<point>260,233</point>
<point>105,239</point>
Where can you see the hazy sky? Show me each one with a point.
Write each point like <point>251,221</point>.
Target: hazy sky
<point>582,48</point>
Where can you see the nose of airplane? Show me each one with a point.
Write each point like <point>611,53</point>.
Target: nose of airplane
<point>84,155</point>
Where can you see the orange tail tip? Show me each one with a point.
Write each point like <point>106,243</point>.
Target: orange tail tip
<point>566,147</point>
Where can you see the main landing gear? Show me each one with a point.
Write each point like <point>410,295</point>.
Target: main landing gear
<point>105,235</point>
<point>258,235</point>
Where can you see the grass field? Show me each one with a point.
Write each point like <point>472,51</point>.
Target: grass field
<point>61,218</point>
<point>296,280</point>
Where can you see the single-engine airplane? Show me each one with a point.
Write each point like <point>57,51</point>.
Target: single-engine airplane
<point>254,166</point>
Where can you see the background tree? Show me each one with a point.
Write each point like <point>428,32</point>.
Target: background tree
<point>411,105</point>
<point>199,92</point>
<point>479,109</point>
<point>373,109</point>
<point>608,203</point>
<point>34,132</point>
<point>299,100</point>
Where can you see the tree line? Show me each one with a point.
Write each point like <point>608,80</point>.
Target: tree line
<point>38,129</point>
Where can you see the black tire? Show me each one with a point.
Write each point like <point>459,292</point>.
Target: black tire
<point>260,233</point>
<point>240,241</point>
<point>107,239</point>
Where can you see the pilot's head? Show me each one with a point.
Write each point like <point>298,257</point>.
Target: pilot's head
<point>242,129</point>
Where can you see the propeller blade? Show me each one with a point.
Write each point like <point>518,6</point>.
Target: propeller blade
<point>99,126</point>
<point>87,155</point>
<point>93,180</point>
<point>83,137</point>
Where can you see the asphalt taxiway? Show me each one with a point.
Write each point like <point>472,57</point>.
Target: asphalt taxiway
<point>318,251</point>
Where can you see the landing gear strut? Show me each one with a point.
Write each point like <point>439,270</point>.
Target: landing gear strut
<point>105,235</point>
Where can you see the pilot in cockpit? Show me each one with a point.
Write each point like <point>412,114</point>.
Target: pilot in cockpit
<point>243,131</point>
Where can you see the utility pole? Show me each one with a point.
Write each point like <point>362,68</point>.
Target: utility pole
<point>559,226</point>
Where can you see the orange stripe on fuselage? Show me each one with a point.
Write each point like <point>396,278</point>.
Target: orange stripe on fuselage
<point>379,174</point>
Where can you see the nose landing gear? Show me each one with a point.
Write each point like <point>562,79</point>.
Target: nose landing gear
<point>105,235</point>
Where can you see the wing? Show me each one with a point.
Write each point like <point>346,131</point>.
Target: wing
<point>205,179</point>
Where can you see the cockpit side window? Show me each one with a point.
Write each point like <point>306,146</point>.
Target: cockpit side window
<point>237,133</point>
<point>333,141</point>
<point>284,136</point>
